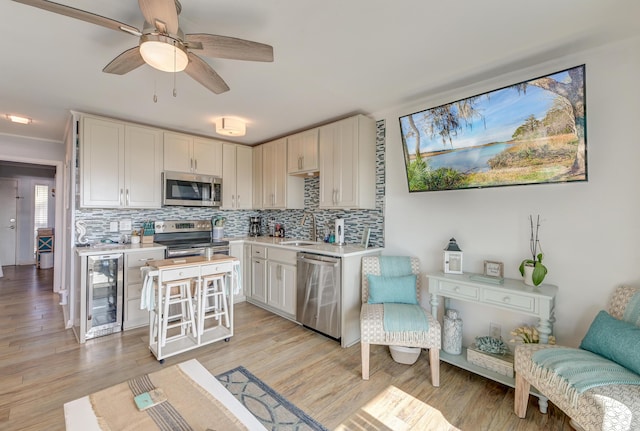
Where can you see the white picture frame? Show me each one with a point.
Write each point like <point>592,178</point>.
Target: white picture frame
<point>493,269</point>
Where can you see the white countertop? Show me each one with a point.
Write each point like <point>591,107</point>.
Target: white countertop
<point>317,247</point>
<point>105,248</point>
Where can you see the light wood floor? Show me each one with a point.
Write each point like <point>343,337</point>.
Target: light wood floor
<point>42,367</point>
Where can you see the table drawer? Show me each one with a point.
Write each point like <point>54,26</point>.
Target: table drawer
<point>180,273</point>
<point>510,300</point>
<point>216,268</point>
<point>455,290</point>
<point>259,251</point>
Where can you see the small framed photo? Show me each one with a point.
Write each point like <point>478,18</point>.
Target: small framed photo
<point>493,269</point>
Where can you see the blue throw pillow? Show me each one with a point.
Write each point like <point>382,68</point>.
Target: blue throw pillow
<point>392,289</point>
<point>614,339</point>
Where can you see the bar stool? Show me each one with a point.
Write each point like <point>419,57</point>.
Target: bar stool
<point>177,292</point>
<point>212,302</point>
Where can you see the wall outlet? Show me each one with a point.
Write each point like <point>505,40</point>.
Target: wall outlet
<point>125,225</point>
<point>113,226</point>
<point>495,330</point>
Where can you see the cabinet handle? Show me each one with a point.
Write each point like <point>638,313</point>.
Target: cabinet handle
<point>128,198</point>
<point>146,259</point>
<point>120,198</point>
<point>191,164</point>
<point>195,164</point>
<point>238,201</point>
<point>300,164</point>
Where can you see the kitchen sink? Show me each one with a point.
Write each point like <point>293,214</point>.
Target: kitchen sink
<point>298,243</point>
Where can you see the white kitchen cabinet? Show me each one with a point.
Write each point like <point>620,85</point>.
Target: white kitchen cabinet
<point>348,164</point>
<point>281,275</point>
<point>279,190</point>
<point>186,153</point>
<point>121,165</point>
<point>258,274</point>
<point>133,316</point>
<point>237,176</point>
<point>257,177</point>
<point>302,152</point>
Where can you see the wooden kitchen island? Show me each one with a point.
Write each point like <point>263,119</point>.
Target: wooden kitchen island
<point>193,270</point>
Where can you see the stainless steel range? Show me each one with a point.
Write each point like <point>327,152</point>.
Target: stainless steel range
<point>188,238</point>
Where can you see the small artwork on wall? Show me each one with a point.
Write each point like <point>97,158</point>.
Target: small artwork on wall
<point>531,132</point>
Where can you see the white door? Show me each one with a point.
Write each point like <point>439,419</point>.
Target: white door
<point>8,229</point>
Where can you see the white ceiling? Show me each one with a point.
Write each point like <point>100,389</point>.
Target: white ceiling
<point>332,58</point>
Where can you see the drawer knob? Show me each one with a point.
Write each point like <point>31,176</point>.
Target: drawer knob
<point>456,289</point>
<point>506,299</point>
<point>181,274</point>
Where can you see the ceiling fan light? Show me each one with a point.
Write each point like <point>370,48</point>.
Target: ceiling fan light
<point>231,127</point>
<point>18,119</point>
<point>163,53</point>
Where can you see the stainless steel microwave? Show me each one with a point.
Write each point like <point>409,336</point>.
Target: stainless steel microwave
<point>191,190</point>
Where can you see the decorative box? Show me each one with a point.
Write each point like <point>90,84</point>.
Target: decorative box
<point>501,364</point>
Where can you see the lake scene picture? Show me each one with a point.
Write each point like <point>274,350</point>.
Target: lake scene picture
<point>528,133</point>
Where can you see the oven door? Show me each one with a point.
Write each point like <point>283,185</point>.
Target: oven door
<point>172,253</point>
<point>191,190</point>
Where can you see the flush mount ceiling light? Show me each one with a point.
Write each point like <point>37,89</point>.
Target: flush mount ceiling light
<point>230,126</point>
<point>163,52</point>
<point>18,119</point>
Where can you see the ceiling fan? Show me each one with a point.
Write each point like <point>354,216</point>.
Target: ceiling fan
<point>164,46</point>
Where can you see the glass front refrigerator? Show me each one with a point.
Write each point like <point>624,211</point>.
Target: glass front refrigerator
<point>105,284</point>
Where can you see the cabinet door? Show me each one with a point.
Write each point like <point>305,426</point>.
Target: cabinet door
<point>229,176</point>
<point>328,188</point>
<point>244,177</point>
<point>257,177</point>
<point>281,290</point>
<point>274,174</point>
<point>302,152</point>
<point>143,167</point>
<point>102,163</point>
<point>345,159</point>
<point>177,152</point>
<point>259,280</point>
<point>207,157</point>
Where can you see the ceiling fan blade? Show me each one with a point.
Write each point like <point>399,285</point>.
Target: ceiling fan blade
<point>199,70</point>
<point>229,47</point>
<point>160,10</point>
<point>81,15</point>
<point>125,62</point>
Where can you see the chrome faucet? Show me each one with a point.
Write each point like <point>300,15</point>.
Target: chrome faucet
<point>314,234</point>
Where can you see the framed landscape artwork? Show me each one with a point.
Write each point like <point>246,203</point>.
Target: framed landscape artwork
<point>532,132</point>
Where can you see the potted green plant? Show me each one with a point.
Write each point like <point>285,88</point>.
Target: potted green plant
<point>532,269</point>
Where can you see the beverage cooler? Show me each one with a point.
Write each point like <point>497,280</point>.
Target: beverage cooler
<point>104,295</point>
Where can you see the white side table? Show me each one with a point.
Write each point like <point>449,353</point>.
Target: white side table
<point>512,295</point>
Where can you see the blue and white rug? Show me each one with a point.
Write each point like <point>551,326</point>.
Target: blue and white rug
<point>274,411</point>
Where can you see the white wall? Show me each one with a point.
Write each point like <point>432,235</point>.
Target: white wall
<point>589,231</point>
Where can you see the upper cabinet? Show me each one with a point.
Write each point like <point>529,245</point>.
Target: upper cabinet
<point>257,177</point>
<point>302,152</point>
<point>348,163</point>
<point>120,164</point>
<point>185,153</point>
<point>279,190</point>
<point>237,177</point>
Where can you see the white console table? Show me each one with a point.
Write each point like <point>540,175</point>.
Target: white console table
<point>512,295</point>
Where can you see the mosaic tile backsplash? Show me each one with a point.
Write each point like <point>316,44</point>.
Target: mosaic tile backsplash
<point>97,221</point>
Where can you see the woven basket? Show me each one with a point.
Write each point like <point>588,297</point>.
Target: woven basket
<point>501,364</point>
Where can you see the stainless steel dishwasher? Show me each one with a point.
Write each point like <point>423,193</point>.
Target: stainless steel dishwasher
<point>318,293</point>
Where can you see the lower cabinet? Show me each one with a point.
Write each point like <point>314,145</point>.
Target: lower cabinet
<point>281,291</point>
<point>133,316</point>
<point>273,279</point>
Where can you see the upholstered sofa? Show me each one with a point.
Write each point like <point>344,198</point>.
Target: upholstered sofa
<point>613,403</point>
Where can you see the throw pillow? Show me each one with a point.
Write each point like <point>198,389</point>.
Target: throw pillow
<point>614,339</point>
<point>392,289</point>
